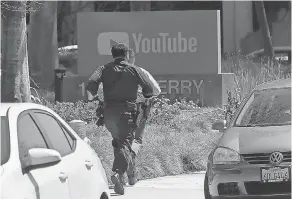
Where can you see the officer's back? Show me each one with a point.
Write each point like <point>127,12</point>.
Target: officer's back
<point>120,81</point>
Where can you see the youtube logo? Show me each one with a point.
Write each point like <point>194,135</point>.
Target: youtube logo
<point>162,43</point>
<point>106,40</point>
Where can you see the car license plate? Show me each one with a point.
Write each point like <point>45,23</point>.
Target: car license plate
<point>275,174</point>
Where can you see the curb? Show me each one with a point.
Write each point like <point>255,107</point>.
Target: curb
<point>170,176</point>
<point>198,172</point>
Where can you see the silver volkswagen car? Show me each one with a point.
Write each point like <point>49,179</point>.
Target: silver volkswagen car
<point>253,157</point>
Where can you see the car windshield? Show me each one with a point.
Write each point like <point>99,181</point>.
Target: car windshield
<point>5,140</point>
<point>268,107</point>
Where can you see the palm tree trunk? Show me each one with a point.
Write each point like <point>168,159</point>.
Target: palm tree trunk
<point>15,84</point>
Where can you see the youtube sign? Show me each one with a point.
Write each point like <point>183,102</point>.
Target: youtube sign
<point>106,40</point>
<point>176,42</point>
<point>181,49</point>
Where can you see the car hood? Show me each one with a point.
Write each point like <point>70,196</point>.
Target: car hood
<point>247,140</point>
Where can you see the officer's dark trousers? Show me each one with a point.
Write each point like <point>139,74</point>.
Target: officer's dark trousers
<point>120,124</point>
<point>140,130</point>
<point>137,143</point>
<point>142,117</point>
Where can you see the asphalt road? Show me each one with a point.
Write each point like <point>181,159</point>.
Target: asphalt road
<point>188,186</point>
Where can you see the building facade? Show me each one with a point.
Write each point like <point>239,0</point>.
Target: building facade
<point>240,28</point>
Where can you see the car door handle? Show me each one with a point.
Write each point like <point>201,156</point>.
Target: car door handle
<point>63,176</point>
<point>88,164</point>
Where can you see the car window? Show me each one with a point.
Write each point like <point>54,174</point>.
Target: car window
<point>69,137</point>
<point>267,107</point>
<point>29,136</point>
<point>54,132</point>
<point>5,140</point>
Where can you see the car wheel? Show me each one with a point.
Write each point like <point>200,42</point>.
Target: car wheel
<point>206,188</point>
<point>104,196</point>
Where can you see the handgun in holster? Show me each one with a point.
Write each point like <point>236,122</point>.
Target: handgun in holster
<point>147,107</point>
<point>143,110</point>
<point>132,108</point>
<point>99,114</point>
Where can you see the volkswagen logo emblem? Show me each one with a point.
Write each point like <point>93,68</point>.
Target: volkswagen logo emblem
<point>276,158</point>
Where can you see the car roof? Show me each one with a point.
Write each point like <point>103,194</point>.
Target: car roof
<point>5,106</point>
<point>282,83</point>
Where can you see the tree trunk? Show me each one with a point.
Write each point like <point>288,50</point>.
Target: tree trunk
<point>67,20</point>
<point>43,44</point>
<point>262,19</point>
<point>15,84</point>
<point>64,8</point>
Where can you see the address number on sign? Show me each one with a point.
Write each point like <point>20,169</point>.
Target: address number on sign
<point>275,174</point>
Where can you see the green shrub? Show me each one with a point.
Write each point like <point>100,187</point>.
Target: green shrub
<point>68,57</point>
<point>74,111</point>
<point>247,75</point>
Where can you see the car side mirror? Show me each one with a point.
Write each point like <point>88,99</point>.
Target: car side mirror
<point>220,126</point>
<point>41,156</point>
<point>87,140</point>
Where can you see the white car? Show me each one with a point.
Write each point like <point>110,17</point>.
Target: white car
<point>43,158</point>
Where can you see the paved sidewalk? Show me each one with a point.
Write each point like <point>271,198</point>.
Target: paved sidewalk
<point>171,187</point>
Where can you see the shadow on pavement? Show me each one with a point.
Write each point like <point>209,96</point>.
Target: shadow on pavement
<point>125,186</point>
<point>114,194</point>
<point>111,187</point>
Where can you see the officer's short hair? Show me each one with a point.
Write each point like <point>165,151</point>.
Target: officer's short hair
<point>120,50</point>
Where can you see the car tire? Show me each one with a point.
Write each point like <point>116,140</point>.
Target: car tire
<point>206,188</point>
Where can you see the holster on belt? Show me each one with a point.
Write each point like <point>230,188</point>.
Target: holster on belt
<point>133,109</point>
<point>143,110</point>
<point>130,106</point>
<point>99,114</point>
<point>147,107</point>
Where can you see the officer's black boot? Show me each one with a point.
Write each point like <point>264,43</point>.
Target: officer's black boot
<point>131,175</point>
<point>132,179</point>
<point>117,180</point>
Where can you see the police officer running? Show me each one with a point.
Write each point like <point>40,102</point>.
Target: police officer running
<point>120,81</point>
<point>144,106</point>
<point>144,102</point>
